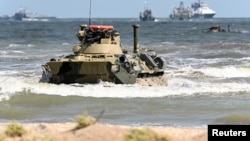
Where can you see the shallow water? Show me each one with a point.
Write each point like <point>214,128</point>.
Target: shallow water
<point>208,74</point>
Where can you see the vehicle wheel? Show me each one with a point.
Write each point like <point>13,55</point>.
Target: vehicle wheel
<point>160,62</point>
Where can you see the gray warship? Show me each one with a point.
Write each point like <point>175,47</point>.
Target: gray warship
<point>181,12</point>
<point>147,14</point>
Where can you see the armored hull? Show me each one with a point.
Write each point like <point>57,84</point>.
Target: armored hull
<point>87,69</point>
<point>99,57</point>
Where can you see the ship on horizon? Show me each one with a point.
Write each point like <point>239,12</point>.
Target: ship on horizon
<point>181,12</point>
<point>198,10</point>
<point>146,15</point>
<point>23,15</point>
<point>201,10</point>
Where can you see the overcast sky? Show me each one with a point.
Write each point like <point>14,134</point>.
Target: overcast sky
<point>119,8</point>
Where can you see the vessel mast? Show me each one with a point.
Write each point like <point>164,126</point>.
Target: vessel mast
<point>89,12</point>
<point>146,3</point>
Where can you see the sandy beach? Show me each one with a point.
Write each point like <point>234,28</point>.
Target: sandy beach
<point>97,132</point>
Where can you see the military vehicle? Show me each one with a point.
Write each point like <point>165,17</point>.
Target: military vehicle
<point>216,28</point>
<point>100,57</point>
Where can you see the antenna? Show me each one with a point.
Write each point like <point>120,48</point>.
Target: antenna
<point>89,12</point>
<point>146,3</point>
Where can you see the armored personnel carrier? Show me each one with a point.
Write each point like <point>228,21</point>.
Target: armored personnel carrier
<point>100,57</point>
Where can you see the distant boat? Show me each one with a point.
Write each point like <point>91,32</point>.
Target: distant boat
<point>201,10</point>
<point>181,12</point>
<point>23,15</point>
<point>147,15</point>
<point>216,28</point>
<point>4,17</point>
<point>198,10</point>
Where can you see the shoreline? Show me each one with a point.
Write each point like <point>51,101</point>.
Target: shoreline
<point>98,132</point>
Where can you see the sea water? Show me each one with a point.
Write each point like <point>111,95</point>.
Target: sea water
<point>208,74</point>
